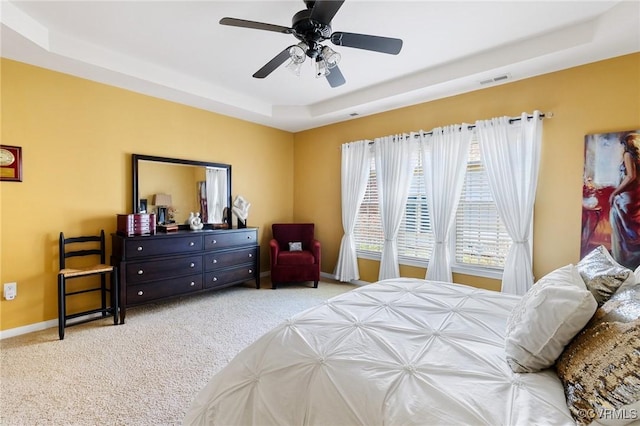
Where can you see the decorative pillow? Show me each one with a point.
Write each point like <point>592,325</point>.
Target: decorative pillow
<point>600,368</point>
<point>603,275</point>
<point>295,246</point>
<point>636,274</point>
<point>545,320</point>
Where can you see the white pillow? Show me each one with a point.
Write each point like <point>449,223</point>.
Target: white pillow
<point>295,246</point>
<point>545,320</point>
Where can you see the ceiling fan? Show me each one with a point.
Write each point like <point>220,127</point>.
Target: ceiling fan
<point>312,26</point>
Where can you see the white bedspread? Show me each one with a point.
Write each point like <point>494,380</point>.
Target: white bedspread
<point>398,352</point>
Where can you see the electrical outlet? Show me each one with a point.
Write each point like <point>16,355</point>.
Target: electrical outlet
<point>10,291</point>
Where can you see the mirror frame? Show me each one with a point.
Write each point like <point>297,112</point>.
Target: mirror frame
<point>136,158</point>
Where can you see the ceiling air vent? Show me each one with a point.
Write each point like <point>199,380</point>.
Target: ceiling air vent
<point>496,79</point>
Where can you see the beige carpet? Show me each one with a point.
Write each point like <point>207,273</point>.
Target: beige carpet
<point>147,371</point>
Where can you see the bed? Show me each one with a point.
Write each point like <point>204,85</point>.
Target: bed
<point>397,352</point>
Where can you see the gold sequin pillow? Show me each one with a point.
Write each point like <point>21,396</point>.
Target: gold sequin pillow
<point>603,275</point>
<point>600,368</point>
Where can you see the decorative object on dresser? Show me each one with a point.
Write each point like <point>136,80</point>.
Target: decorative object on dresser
<point>162,203</point>
<point>136,224</point>
<point>93,247</point>
<point>241,210</point>
<point>195,222</point>
<point>143,205</point>
<point>168,227</point>
<point>156,267</point>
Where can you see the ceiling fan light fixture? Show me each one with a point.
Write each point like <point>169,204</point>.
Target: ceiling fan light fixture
<point>331,57</point>
<point>321,68</point>
<point>298,52</point>
<point>295,67</point>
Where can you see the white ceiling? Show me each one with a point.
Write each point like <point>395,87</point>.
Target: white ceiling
<point>176,50</point>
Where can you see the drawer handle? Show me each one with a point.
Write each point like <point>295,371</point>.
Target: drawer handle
<point>191,244</point>
<point>213,242</point>
<point>140,272</point>
<point>251,271</point>
<point>192,284</point>
<point>139,248</point>
<point>249,237</point>
<point>250,255</point>
<point>215,260</point>
<point>215,279</point>
<point>191,265</point>
<point>140,293</point>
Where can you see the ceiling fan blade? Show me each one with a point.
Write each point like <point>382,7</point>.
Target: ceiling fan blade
<point>270,66</point>
<point>324,11</point>
<point>233,22</point>
<point>367,42</point>
<point>335,77</point>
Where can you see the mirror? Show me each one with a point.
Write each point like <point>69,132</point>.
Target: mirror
<point>172,188</point>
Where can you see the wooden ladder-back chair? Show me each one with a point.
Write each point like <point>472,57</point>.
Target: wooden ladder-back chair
<point>80,247</point>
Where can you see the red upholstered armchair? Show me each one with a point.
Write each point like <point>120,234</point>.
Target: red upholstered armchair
<point>294,262</point>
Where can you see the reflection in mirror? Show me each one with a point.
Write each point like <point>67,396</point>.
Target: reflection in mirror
<point>173,188</point>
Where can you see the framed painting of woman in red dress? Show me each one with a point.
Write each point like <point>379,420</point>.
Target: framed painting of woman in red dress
<point>611,195</point>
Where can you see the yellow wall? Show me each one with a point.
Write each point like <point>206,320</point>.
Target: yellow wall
<point>77,138</point>
<point>595,98</point>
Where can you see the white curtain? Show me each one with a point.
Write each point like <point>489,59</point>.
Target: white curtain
<point>356,158</point>
<point>393,177</point>
<point>444,159</point>
<point>216,194</point>
<point>510,152</point>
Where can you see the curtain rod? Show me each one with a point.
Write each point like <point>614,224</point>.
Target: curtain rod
<point>511,120</point>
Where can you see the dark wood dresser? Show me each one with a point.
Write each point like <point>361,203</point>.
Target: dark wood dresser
<point>159,266</point>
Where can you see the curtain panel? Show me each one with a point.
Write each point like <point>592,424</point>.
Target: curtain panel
<point>444,157</point>
<point>355,173</point>
<point>393,177</point>
<point>511,154</point>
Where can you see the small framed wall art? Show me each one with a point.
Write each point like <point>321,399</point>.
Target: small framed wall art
<point>10,163</point>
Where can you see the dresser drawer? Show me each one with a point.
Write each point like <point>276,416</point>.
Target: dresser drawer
<point>163,288</point>
<point>138,272</point>
<point>160,246</point>
<point>230,239</point>
<point>227,258</point>
<point>228,276</point>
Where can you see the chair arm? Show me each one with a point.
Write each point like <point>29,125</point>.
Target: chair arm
<point>315,249</point>
<point>274,249</point>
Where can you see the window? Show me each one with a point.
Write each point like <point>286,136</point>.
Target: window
<point>368,228</point>
<point>479,240</point>
<point>415,238</point>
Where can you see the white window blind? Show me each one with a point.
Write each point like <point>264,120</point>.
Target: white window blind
<point>481,239</point>
<point>415,237</point>
<point>368,229</point>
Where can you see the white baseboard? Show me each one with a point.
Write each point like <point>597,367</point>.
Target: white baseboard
<point>12,332</point>
<point>324,275</point>
<point>333,277</point>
